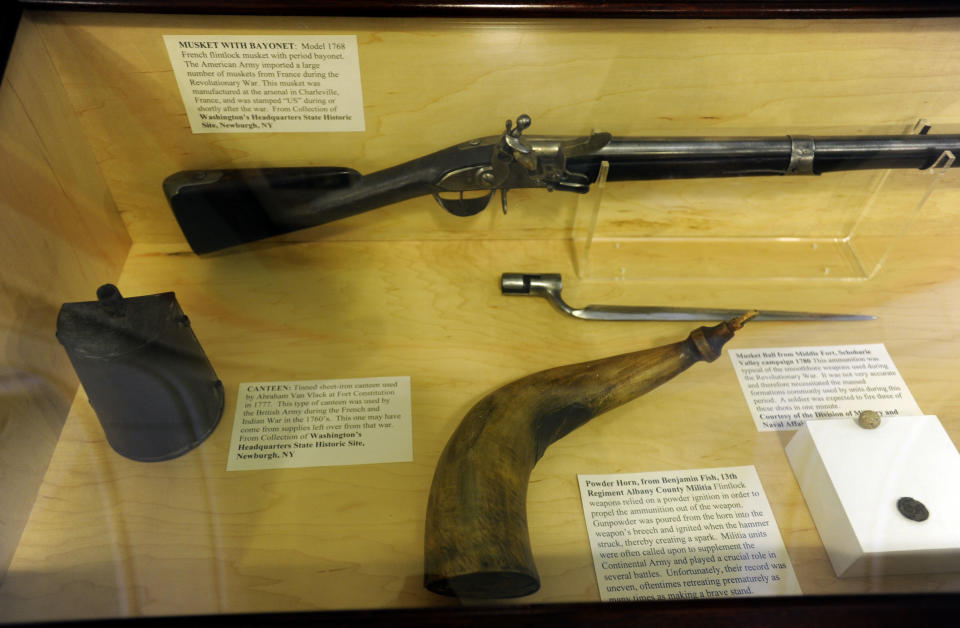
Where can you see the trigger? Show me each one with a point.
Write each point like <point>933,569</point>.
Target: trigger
<point>464,206</point>
<point>572,186</point>
<point>571,182</point>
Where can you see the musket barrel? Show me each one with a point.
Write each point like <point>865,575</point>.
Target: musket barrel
<point>647,158</point>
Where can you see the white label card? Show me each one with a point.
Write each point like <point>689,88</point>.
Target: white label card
<point>321,423</point>
<point>673,535</point>
<point>268,83</point>
<point>786,387</point>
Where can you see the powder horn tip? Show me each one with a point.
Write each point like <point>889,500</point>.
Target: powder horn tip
<point>739,321</point>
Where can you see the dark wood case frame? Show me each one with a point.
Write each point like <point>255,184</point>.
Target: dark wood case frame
<point>739,9</point>
<point>849,610</point>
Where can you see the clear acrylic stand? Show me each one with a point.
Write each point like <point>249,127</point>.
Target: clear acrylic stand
<point>840,226</point>
<point>585,221</point>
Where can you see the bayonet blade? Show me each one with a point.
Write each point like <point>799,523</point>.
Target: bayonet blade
<point>549,286</point>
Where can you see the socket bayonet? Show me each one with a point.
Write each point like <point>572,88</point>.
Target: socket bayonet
<point>549,286</point>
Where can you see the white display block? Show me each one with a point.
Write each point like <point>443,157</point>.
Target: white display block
<point>852,478</point>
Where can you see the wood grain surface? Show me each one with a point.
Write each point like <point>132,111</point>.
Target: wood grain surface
<point>60,233</point>
<point>109,536</point>
<point>410,291</point>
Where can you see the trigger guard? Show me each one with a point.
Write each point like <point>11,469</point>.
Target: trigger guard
<point>464,206</point>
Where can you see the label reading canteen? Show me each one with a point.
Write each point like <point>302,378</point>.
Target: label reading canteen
<point>321,423</point>
<point>268,83</point>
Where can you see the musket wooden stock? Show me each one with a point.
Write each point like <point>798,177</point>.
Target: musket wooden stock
<point>477,544</point>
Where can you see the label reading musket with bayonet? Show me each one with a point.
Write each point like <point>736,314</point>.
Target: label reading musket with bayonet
<point>268,83</point>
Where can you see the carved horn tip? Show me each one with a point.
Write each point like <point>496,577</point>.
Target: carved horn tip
<point>738,322</point>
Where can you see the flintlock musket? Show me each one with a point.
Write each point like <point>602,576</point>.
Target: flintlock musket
<point>217,209</point>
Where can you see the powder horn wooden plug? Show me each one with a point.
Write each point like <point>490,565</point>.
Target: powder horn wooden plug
<point>476,543</point>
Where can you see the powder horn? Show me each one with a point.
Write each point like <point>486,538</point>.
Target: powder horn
<point>477,544</point>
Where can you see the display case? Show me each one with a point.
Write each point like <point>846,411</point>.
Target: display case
<point>295,498</point>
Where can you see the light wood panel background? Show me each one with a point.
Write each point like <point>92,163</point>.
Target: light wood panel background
<point>60,236</point>
<point>410,291</point>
